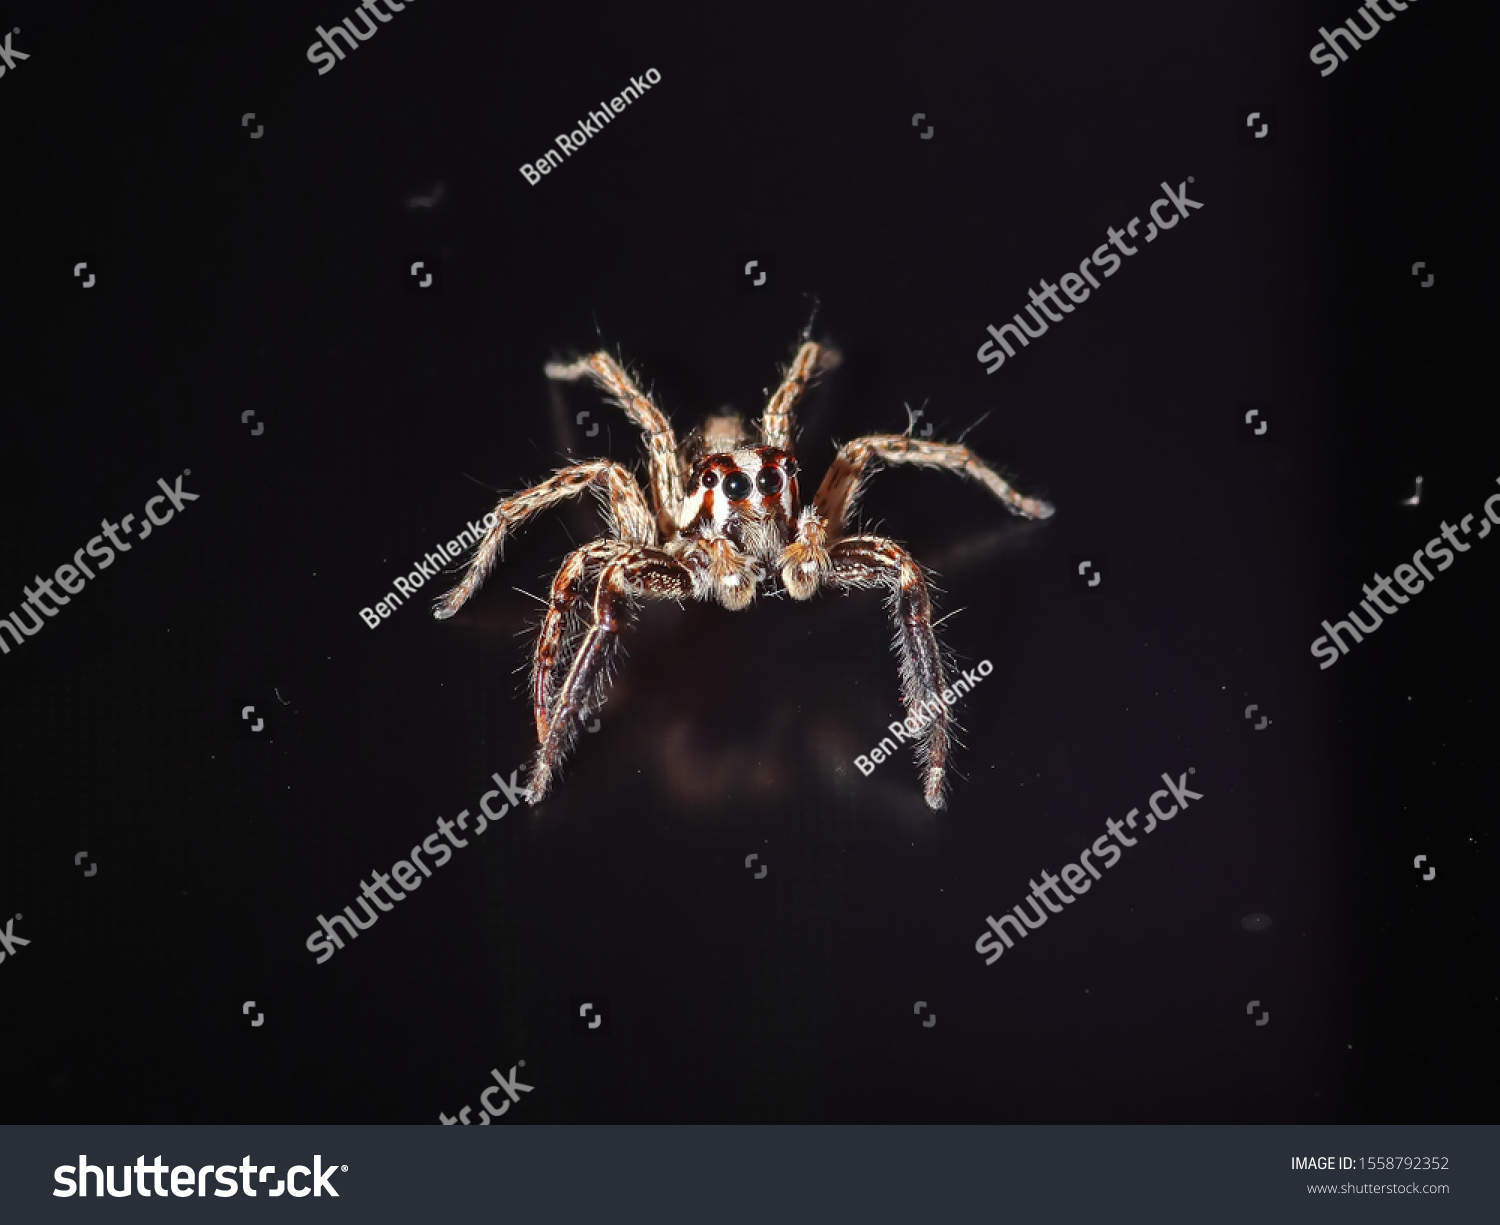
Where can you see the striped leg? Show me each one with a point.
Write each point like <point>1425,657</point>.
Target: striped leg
<point>630,519</point>
<point>661,443</point>
<point>856,461</point>
<point>804,562</point>
<point>776,425</point>
<point>719,570</point>
<point>559,625</point>
<point>864,562</point>
<point>632,574</point>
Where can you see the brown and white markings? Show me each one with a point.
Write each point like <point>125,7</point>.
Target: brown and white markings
<point>725,518</point>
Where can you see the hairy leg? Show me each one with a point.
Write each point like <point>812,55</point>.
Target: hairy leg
<point>718,569</point>
<point>558,624</point>
<point>630,519</point>
<point>865,562</point>
<point>661,443</point>
<point>856,461</point>
<point>776,425</point>
<point>805,562</point>
<point>633,574</point>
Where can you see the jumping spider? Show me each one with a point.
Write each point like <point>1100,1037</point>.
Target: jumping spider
<point>725,516</point>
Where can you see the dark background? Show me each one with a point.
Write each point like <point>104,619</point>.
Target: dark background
<point>268,275</point>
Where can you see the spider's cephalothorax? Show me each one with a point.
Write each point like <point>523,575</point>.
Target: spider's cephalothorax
<point>741,507</point>
<point>724,518</point>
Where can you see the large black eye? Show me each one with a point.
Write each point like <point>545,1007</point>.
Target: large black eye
<point>790,466</point>
<point>737,485</point>
<point>710,479</point>
<point>768,481</point>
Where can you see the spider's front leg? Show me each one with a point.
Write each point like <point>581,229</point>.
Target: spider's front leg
<point>805,562</point>
<point>661,442</point>
<point>857,461</point>
<point>567,585</point>
<point>864,562</point>
<point>776,425</point>
<point>630,519</point>
<point>634,573</point>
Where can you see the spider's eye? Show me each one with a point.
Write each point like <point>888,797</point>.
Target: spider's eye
<point>737,486</point>
<point>769,480</point>
<point>790,467</point>
<point>710,479</point>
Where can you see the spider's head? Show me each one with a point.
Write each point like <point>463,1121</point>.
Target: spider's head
<point>749,495</point>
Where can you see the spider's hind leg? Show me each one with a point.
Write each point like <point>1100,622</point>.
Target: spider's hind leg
<point>633,574</point>
<point>864,562</point>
